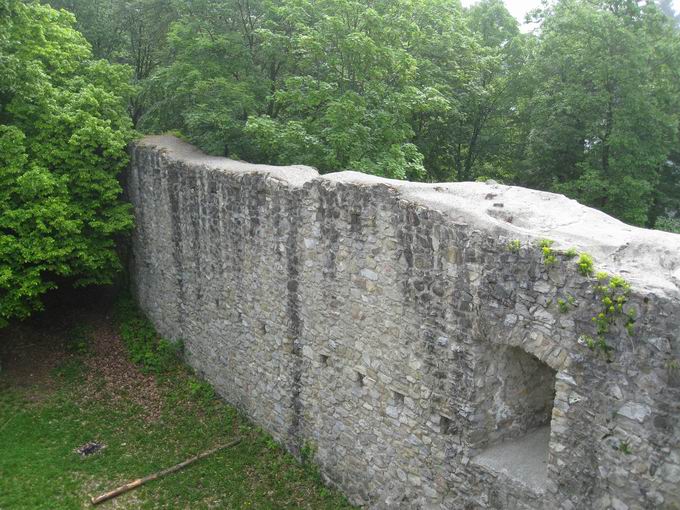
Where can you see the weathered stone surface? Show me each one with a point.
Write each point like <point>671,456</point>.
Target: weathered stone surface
<point>389,325</point>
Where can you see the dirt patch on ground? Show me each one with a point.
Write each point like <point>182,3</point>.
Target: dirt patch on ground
<point>31,353</point>
<point>110,375</point>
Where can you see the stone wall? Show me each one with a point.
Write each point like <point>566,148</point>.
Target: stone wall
<point>393,328</point>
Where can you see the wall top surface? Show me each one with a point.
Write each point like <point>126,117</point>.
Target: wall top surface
<point>649,259</point>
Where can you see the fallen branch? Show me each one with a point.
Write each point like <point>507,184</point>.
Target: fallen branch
<point>141,481</point>
<point>7,422</point>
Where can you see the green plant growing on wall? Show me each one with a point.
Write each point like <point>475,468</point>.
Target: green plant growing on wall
<point>564,305</point>
<point>613,293</point>
<point>549,256</point>
<point>585,264</point>
<point>624,447</point>
<point>631,317</point>
<point>598,344</point>
<point>514,246</point>
<point>589,341</point>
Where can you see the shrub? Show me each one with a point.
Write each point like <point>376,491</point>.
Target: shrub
<point>585,264</point>
<point>668,224</point>
<point>64,129</point>
<point>145,347</point>
<point>549,257</point>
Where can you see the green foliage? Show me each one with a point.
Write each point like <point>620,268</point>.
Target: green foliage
<point>79,338</point>
<point>63,136</point>
<point>70,371</point>
<point>145,347</point>
<point>571,253</point>
<point>426,90</point>
<point>668,224</point>
<point>200,390</point>
<point>549,256</point>
<point>132,32</point>
<point>624,447</point>
<point>585,264</point>
<point>562,305</point>
<point>613,293</point>
<point>400,89</point>
<point>588,106</point>
<point>514,246</point>
<point>630,325</point>
<point>673,365</point>
<point>598,344</point>
<point>603,114</point>
<point>307,454</point>
<point>589,341</point>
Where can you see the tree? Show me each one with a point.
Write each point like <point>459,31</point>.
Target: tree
<point>587,105</point>
<point>604,112</point>
<point>131,32</point>
<point>63,136</point>
<point>666,7</point>
<point>219,74</point>
<point>349,90</point>
<point>331,83</point>
<point>403,89</point>
<point>668,224</point>
<point>485,144</point>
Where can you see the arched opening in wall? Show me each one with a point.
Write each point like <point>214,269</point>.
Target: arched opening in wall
<point>515,409</point>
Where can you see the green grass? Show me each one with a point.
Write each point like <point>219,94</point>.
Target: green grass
<point>40,427</point>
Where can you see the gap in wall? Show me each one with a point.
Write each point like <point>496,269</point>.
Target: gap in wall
<point>519,415</point>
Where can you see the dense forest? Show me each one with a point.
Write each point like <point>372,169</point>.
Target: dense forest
<point>587,104</point>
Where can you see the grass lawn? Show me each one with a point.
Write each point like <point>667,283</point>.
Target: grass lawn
<point>66,380</point>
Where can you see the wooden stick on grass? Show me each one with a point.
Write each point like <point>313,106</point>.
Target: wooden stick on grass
<point>141,481</point>
<point>7,422</point>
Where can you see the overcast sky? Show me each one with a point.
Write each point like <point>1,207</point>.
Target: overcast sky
<point>519,8</point>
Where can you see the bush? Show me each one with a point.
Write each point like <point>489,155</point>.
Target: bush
<point>64,129</point>
<point>585,264</point>
<point>668,224</point>
<point>145,347</point>
<point>79,339</point>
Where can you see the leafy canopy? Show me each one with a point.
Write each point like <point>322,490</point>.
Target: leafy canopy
<point>587,104</point>
<point>604,109</point>
<point>63,135</point>
<point>338,84</point>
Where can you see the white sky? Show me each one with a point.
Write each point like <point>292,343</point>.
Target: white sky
<point>519,8</point>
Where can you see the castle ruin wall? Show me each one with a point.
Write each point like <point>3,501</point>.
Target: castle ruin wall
<point>413,336</point>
